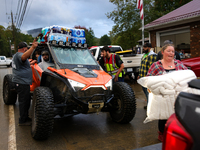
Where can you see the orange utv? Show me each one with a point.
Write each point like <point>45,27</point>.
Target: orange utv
<point>72,82</point>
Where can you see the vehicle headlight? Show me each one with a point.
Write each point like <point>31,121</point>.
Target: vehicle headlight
<point>76,85</point>
<point>109,85</point>
<point>54,42</point>
<point>73,44</point>
<point>60,43</point>
<point>79,45</point>
<point>67,43</point>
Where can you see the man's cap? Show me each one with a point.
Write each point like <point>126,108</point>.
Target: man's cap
<point>45,52</point>
<point>106,48</point>
<point>167,42</point>
<point>22,45</point>
<point>147,45</point>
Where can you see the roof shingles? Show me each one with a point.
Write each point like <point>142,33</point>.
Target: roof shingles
<point>188,10</point>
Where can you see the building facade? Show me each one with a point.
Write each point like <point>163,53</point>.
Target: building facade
<point>181,26</point>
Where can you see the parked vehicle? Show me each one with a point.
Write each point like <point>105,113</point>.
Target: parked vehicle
<point>73,83</point>
<point>5,61</point>
<point>182,130</point>
<point>130,59</point>
<point>193,64</point>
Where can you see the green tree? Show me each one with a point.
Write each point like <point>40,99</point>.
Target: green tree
<point>162,7</point>
<point>97,41</point>
<point>19,37</point>
<point>4,42</point>
<point>127,21</point>
<point>105,40</point>
<point>6,35</point>
<point>90,38</point>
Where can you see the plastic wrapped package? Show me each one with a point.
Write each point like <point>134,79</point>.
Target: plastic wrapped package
<point>164,90</point>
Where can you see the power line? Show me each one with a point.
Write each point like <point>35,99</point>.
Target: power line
<point>17,8</point>
<point>23,13</point>
<point>19,13</point>
<point>28,10</point>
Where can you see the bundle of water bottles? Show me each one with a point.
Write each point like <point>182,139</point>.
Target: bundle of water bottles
<point>63,36</point>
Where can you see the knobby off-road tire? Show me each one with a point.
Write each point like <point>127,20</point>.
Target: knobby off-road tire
<point>124,103</point>
<point>9,93</point>
<point>42,113</point>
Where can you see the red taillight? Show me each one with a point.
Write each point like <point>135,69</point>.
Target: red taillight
<point>175,136</point>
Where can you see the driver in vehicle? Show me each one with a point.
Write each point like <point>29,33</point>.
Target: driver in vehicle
<point>45,61</point>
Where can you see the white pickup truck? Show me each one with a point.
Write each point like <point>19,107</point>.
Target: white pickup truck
<point>131,60</point>
<point>5,61</point>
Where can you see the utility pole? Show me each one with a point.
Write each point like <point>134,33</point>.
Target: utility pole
<point>10,47</point>
<point>13,28</point>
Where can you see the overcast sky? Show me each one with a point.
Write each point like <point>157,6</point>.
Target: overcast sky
<point>68,13</point>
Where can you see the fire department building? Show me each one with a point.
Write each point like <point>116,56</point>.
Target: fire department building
<point>181,26</point>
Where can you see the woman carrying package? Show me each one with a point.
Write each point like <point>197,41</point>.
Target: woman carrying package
<point>165,65</point>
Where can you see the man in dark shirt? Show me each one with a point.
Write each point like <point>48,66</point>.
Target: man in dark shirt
<point>147,60</point>
<point>22,78</point>
<point>112,63</point>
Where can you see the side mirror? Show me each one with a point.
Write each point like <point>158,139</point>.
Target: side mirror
<point>194,83</point>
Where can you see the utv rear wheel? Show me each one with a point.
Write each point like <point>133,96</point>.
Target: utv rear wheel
<point>123,103</point>
<point>42,113</point>
<point>9,93</point>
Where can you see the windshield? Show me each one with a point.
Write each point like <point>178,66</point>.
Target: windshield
<point>73,56</point>
<point>115,49</point>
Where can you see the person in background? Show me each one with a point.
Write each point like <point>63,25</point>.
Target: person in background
<point>92,53</point>
<point>101,62</point>
<point>112,63</point>
<point>22,78</point>
<point>38,56</point>
<point>147,60</point>
<point>45,60</point>
<point>165,65</point>
<point>176,56</point>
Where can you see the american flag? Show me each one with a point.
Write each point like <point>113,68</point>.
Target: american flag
<point>140,7</point>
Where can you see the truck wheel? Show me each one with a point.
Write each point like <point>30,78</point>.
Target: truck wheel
<point>123,103</point>
<point>9,93</point>
<point>42,113</point>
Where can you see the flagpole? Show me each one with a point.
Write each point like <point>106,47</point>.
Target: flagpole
<point>142,33</point>
<point>140,7</point>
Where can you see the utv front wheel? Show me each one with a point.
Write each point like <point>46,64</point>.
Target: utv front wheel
<point>9,93</point>
<point>42,113</point>
<point>123,103</point>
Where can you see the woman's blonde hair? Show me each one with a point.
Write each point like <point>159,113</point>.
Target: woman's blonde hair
<point>165,47</point>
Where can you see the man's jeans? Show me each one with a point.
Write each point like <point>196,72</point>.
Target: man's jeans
<point>24,99</point>
<point>146,93</point>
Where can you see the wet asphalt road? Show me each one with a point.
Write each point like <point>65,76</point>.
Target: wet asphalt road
<point>83,132</point>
